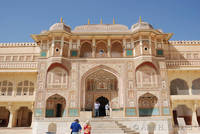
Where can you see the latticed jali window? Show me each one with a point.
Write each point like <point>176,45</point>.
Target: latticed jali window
<point>57,78</point>
<point>25,88</point>
<point>6,88</point>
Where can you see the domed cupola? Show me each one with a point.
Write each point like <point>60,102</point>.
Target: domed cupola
<point>60,27</point>
<point>141,26</point>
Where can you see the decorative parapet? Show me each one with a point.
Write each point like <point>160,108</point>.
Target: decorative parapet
<point>15,65</point>
<point>30,44</point>
<point>182,63</point>
<point>181,42</point>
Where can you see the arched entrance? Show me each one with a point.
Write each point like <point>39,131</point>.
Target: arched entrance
<point>147,104</point>
<point>4,117</point>
<point>182,111</point>
<point>103,102</point>
<point>24,117</point>
<point>100,85</point>
<point>55,106</point>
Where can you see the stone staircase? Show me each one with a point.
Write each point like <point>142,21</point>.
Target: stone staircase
<point>109,127</point>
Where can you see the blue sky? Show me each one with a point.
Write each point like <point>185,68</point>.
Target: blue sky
<point>21,18</point>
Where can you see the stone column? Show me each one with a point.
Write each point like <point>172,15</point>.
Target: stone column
<point>61,47</point>
<point>109,48</point>
<point>124,46</point>
<point>194,115</point>
<point>12,116</point>
<point>48,50</point>
<point>141,45</point>
<point>70,47</point>
<point>78,46</point>
<point>132,46</point>
<point>150,50</point>
<point>93,47</point>
<point>190,87</point>
<point>53,45</point>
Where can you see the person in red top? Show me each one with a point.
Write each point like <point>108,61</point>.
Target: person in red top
<point>87,127</point>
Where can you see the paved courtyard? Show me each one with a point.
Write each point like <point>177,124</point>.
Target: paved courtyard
<point>15,131</point>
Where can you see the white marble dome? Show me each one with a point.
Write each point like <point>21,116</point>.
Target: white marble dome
<point>141,26</point>
<point>60,27</point>
<point>101,28</point>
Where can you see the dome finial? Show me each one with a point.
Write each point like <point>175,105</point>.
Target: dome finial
<point>61,20</point>
<point>140,19</point>
<point>113,20</point>
<point>101,22</point>
<point>88,21</point>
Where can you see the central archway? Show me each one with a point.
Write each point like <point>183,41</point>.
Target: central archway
<point>97,83</point>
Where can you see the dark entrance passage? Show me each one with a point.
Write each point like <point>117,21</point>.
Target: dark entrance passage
<point>58,110</point>
<point>103,101</point>
<point>4,117</point>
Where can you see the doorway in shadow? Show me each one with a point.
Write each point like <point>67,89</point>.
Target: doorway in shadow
<point>103,101</point>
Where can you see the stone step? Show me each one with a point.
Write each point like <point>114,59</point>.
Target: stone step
<point>108,130</point>
<point>105,127</point>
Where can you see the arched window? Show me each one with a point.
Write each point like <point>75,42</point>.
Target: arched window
<point>6,88</point>
<point>196,86</point>
<point>116,50</point>
<point>146,76</point>
<point>101,49</point>
<point>57,78</point>
<point>86,50</point>
<point>25,88</point>
<point>24,117</point>
<point>179,87</point>
<point>147,103</point>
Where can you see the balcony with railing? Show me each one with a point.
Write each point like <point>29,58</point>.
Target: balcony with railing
<point>182,63</point>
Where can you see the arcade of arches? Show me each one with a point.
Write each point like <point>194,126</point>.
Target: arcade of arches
<point>21,117</point>
<point>101,49</point>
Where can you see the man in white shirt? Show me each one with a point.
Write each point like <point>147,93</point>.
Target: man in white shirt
<point>107,108</point>
<point>96,108</point>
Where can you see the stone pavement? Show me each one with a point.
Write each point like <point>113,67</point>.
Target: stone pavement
<point>15,131</point>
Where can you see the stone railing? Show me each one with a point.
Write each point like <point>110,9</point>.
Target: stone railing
<point>13,65</point>
<point>182,63</point>
<point>184,42</point>
<point>18,44</point>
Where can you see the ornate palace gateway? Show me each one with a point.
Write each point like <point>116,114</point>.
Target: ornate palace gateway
<point>151,84</point>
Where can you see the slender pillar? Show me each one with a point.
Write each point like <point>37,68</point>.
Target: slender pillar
<point>62,44</point>
<point>78,46</point>
<point>93,47</point>
<point>53,45</point>
<point>194,115</point>
<point>32,118</point>
<point>141,45</point>
<point>12,117</point>
<point>48,51</point>
<point>124,46</point>
<point>150,51</point>
<point>132,46</point>
<point>190,87</point>
<point>70,47</point>
<point>109,48</point>
<point>10,125</point>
